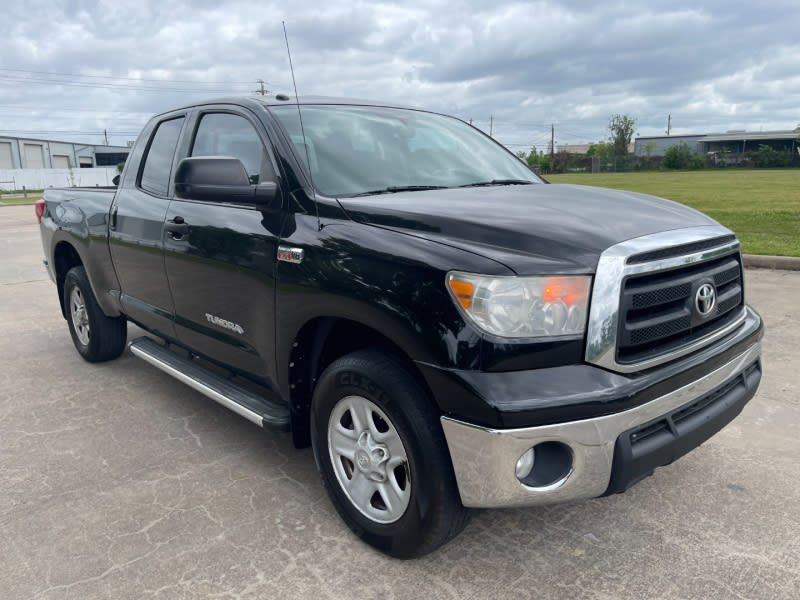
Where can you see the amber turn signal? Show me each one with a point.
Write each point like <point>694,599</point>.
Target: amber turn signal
<point>462,291</point>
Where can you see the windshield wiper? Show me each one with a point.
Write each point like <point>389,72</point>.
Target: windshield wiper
<point>498,182</point>
<point>402,188</point>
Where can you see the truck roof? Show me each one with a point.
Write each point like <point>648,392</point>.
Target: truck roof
<point>284,99</point>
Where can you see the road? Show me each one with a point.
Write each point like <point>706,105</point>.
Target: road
<point>117,481</point>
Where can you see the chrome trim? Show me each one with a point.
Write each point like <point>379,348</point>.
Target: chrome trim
<point>484,459</point>
<point>601,332</point>
<point>200,387</point>
<point>290,255</point>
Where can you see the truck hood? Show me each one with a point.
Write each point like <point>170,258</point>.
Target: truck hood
<point>529,228</point>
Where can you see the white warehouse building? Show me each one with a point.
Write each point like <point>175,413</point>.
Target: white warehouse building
<point>25,153</point>
<point>732,141</point>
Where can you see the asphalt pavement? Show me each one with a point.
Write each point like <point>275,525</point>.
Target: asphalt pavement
<point>117,481</point>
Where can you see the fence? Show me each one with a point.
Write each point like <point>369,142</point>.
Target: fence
<point>39,179</point>
<point>564,162</point>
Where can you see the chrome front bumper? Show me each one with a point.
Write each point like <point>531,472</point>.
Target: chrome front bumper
<point>484,459</point>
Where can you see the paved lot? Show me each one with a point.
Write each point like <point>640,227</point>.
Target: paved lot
<point>118,482</point>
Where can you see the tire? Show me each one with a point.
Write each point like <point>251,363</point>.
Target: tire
<point>382,456</point>
<point>97,338</point>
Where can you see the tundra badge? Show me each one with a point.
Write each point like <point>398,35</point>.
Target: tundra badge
<point>225,323</point>
<point>292,255</point>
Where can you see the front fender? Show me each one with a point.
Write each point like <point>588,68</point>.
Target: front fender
<point>388,281</point>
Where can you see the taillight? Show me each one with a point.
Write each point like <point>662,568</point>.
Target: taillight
<point>39,207</point>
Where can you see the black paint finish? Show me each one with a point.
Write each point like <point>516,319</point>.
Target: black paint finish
<point>223,266</point>
<point>171,264</point>
<point>577,391</point>
<point>533,229</point>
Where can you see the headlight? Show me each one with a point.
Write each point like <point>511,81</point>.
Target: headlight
<point>518,307</point>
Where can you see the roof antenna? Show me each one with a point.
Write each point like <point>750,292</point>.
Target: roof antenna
<point>302,129</point>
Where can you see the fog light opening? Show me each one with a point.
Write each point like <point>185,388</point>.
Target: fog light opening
<point>544,465</point>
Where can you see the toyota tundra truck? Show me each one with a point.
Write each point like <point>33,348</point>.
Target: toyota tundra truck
<point>445,329</point>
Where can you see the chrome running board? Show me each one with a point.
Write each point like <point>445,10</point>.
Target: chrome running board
<point>253,407</point>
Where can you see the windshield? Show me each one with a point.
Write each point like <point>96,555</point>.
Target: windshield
<point>357,150</point>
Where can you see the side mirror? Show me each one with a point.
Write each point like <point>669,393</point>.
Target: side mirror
<point>115,181</point>
<point>222,179</point>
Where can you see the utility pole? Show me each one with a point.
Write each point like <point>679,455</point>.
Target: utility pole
<point>552,142</point>
<point>491,123</point>
<point>105,135</point>
<point>669,123</point>
<point>263,91</point>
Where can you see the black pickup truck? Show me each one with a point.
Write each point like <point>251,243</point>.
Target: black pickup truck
<point>443,327</point>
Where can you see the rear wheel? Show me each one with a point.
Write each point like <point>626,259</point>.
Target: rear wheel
<point>96,336</point>
<point>381,452</point>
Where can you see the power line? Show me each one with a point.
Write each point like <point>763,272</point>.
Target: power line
<point>109,86</point>
<point>62,131</point>
<point>54,117</point>
<point>74,109</point>
<point>126,78</point>
<point>537,143</point>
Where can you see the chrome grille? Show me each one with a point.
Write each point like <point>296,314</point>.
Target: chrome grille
<point>657,312</point>
<point>642,309</point>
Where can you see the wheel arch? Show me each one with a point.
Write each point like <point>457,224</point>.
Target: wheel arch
<point>318,343</point>
<point>65,257</point>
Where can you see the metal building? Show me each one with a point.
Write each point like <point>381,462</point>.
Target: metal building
<point>26,153</point>
<point>656,145</point>
<point>733,141</point>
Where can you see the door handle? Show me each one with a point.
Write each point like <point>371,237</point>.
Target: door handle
<point>113,223</point>
<point>177,228</point>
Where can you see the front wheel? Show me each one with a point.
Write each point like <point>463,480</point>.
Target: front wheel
<point>381,452</point>
<point>96,336</point>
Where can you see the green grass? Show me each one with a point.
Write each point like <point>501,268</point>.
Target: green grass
<point>761,206</point>
<point>19,199</point>
<point>15,192</point>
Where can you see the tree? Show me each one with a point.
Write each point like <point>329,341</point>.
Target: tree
<point>621,128</point>
<point>532,157</point>
<point>604,153</point>
<point>536,158</point>
<point>545,164</point>
<point>601,150</point>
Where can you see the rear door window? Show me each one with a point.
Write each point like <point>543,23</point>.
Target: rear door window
<point>158,162</point>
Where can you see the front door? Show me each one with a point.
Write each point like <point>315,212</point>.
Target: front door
<point>221,263</point>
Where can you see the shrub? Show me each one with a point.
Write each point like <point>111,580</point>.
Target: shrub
<point>677,156</point>
<point>697,161</point>
<point>766,157</point>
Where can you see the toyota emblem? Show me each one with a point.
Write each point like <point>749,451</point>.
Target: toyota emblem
<point>705,300</point>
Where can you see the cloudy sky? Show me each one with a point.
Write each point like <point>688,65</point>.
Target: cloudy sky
<point>73,68</point>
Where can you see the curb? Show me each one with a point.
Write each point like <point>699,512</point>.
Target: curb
<point>764,261</point>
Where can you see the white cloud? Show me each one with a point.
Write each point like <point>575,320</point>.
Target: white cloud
<point>712,65</point>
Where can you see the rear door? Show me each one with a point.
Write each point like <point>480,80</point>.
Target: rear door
<point>220,262</point>
<point>136,232</point>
